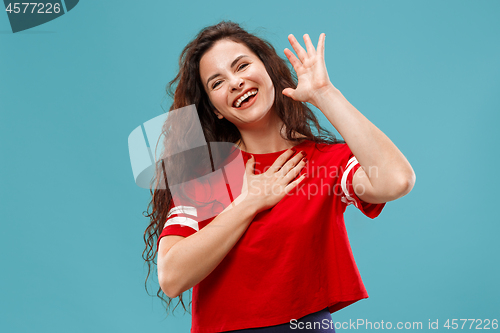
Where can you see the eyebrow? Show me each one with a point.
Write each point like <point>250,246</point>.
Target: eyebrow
<point>232,65</point>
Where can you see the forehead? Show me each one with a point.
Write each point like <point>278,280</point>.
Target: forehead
<point>221,55</point>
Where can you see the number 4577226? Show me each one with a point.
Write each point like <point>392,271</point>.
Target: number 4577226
<point>480,324</point>
<point>17,8</point>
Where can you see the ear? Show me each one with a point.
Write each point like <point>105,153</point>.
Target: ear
<point>220,116</point>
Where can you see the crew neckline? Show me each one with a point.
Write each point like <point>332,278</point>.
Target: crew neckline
<point>304,142</point>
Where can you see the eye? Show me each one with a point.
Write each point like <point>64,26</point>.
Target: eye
<point>243,66</point>
<point>216,84</point>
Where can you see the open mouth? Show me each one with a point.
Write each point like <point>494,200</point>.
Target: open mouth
<point>246,99</point>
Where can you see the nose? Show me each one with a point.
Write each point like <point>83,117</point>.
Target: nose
<point>237,83</point>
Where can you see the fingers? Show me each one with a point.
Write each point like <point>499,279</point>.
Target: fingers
<point>278,163</point>
<point>294,171</point>
<point>291,163</point>
<point>296,182</point>
<point>289,92</point>
<point>321,45</point>
<point>309,45</point>
<point>267,189</point>
<point>291,168</point>
<point>301,53</point>
<point>249,167</point>
<point>293,59</point>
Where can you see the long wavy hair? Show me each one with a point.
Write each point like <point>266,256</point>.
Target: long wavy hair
<point>187,89</point>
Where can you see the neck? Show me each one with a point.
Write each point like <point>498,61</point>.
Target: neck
<point>265,139</point>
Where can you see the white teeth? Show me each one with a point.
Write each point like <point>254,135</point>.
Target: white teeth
<point>242,98</point>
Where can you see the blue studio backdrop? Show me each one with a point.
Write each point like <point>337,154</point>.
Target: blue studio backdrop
<point>74,85</point>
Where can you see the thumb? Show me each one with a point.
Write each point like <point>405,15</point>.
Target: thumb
<point>250,164</point>
<point>288,92</point>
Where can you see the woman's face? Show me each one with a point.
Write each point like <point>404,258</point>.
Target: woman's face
<point>237,83</point>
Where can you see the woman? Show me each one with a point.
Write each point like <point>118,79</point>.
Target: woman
<point>278,256</point>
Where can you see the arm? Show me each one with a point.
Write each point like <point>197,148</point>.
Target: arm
<point>385,174</point>
<point>189,260</point>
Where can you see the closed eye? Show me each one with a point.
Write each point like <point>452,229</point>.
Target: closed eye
<point>242,66</point>
<point>216,84</point>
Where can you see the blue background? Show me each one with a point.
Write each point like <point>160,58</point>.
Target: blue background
<point>71,91</point>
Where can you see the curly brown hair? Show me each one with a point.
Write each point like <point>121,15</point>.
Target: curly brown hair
<point>187,89</point>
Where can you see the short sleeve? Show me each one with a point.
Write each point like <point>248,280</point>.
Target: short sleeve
<point>181,220</point>
<point>348,196</point>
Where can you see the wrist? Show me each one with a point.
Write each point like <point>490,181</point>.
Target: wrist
<point>244,204</point>
<point>324,95</point>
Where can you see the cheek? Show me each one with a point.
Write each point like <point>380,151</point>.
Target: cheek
<point>269,82</point>
<point>270,86</point>
<point>272,95</point>
<point>217,98</point>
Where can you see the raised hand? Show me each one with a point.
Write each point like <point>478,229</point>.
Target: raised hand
<point>310,68</point>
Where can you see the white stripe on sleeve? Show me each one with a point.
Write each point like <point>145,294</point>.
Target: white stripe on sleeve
<point>188,210</point>
<point>343,182</point>
<point>185,221</point>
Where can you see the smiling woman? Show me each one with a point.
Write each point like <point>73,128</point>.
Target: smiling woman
<point>237,81</point>
<point>279,253</point>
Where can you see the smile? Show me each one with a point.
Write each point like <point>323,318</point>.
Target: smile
<point>246,100</point>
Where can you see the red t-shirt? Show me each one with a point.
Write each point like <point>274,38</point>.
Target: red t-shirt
<point>294,259</point>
